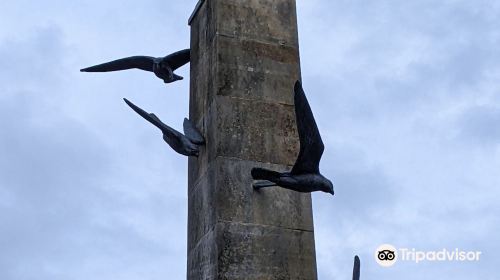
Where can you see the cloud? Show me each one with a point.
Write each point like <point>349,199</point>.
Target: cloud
<point>74,199</point>
<point>50,163</point>
<point>479,126</point>
<point>405,95</point>
<point>402,90</point>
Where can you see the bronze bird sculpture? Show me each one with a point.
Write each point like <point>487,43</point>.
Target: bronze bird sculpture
<point>163,67</point>
<point>187,144</point>
<point>356,269</point>
<point>304,176</point>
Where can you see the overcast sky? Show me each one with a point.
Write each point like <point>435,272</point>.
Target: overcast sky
<point>406,95</point>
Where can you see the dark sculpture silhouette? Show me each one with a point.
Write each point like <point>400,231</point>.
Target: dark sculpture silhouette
<point>305,175</point>
<point>356,269</point>
<point>163,67</point>
<point>187,145</point>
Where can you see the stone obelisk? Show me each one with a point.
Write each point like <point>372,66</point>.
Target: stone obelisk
<point>244,63</point>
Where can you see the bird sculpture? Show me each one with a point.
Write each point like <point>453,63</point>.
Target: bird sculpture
<point>187,144</point>
<point>304,176</point>
<point>356,269</point>
<point>163,67</point>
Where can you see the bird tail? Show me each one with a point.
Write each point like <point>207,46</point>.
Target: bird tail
<point>265,174</point>
<point>356,269</point>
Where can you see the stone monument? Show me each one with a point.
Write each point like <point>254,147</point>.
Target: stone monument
<point>244,63</point>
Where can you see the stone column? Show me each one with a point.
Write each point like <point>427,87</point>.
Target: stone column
<point>244,62</point>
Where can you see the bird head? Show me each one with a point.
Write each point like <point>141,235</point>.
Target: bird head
<point>177,77</point>
<point>172,79</point>
<point>163,71</point>
<point>327,187</point>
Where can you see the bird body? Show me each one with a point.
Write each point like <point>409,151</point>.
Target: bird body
<point>304,176</point>
<point>315,182</point>
<point>187,145</point>
<point>162,67</point>
<point>181,145</point>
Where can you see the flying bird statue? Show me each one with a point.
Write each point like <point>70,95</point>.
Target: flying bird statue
<point>187,144</point>
<point>304,176</point>
<point>356,269</point>
<point>163,67</point>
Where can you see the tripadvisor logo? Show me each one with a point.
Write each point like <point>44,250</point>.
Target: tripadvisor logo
<point>387,255</point>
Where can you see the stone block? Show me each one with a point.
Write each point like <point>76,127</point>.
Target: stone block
<point>256,252</point>
<point>254,130</point>
<point>237,201</point>
<point>255,70</point>
<point>271,21</point>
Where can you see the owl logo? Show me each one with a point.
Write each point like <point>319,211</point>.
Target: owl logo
<point>386,255</point>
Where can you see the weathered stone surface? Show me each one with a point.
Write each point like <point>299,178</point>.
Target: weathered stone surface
<point>202,215</point>
<point>247,251</point>
<point>246,129</point>
<point>271,207</point>
<point>257,131</point>
<point>272,21</point>
<point>225,193</point>
<point>203,256</point>
<point>255,70</point>
<point>244,63</point>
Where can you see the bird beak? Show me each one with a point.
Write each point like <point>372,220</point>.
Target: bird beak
<point>332,192</point>
<point>178,78</point>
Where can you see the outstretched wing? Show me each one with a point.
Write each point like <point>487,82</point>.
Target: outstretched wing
<point>193,133</point>
<point>178,59</point>
<point>311,145</point>
<point>356,270</point>
<point>152,118</point>
<point>139,62</point>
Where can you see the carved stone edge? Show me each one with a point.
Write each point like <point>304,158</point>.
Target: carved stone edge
<point>196,9</point>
